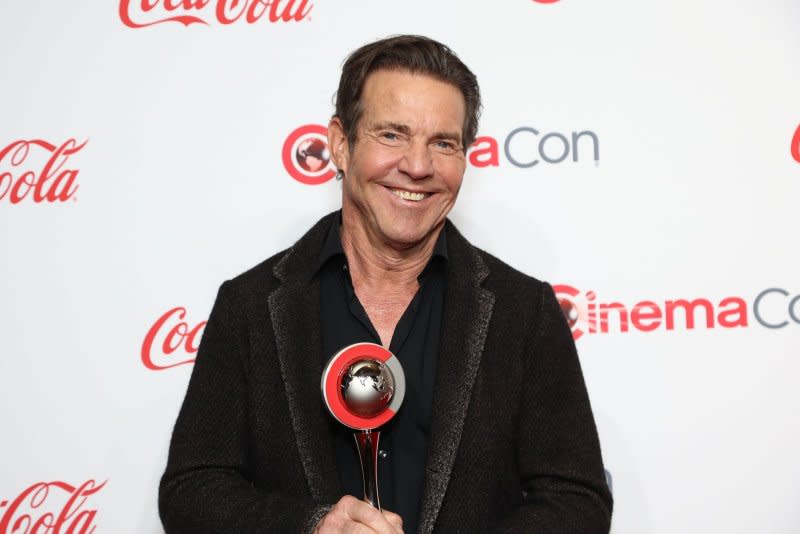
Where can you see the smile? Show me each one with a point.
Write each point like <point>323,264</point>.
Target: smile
<point>408,195</point>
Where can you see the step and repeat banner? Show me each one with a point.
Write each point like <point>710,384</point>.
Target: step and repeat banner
<point>151,149</point>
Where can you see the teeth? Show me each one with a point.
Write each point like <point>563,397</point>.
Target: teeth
<point>408,195</point>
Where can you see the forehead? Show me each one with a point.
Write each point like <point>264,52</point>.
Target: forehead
<point>412,98</point>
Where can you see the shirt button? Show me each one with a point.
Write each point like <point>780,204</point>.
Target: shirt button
<point>383,454</point>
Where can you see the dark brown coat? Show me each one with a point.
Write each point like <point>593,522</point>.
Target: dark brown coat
<point>513,446</point>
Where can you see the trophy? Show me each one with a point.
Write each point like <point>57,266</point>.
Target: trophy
<point>363,386</point>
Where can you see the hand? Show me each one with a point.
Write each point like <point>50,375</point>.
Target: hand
<point>354,516</point>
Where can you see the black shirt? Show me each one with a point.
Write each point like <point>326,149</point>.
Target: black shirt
<point>404,440</point>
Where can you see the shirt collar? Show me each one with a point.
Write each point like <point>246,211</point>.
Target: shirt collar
<point>332,247</point>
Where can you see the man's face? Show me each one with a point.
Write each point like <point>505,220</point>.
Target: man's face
<point>405,168</point>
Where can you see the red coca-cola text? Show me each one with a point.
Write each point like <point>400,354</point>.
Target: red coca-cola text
<point>143,13</point>
<point>51,183</point>
<point>173,333</point>
<point>28,513</point>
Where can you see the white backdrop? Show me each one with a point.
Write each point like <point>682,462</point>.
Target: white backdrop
<point>686,187</point>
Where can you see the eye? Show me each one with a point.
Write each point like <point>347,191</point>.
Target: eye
<point>445,146</point>
<point>389,137</point>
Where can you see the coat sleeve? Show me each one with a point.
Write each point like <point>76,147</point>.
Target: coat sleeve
<point>207,486</point>
<point>561,469</point>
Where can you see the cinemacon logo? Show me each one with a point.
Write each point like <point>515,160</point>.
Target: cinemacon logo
<point>47,507</point>
<point>586,313</point>
<point>38,171</point>
<point>143,13</point>
<point>306,157</point>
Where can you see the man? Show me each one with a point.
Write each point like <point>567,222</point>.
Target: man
<point>496,432</point>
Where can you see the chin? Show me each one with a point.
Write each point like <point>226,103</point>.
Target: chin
<point>407,237</point>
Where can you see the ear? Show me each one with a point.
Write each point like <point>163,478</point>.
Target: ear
<point>337,144</point>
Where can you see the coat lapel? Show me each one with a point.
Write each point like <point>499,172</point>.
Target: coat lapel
<point>294,312</point>
<point>467,311</point>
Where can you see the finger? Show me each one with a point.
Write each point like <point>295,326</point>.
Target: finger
<point>363,512</point>
<point>356,528</point>
<point>395,520</point>
<point>336,521</point>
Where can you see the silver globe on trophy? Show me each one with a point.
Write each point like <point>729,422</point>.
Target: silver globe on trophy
<point>363,386</point>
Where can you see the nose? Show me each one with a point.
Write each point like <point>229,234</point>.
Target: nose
<point>417,161</point>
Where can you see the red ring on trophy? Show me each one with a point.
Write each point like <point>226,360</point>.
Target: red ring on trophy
<point>333,375</point>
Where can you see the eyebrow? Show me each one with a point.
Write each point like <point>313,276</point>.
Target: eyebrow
<point>404,129</point>
<point>388,125</point>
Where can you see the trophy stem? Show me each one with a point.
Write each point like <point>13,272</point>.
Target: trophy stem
<point>367,444</point>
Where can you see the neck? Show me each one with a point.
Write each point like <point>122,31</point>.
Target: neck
<point>380,265</point>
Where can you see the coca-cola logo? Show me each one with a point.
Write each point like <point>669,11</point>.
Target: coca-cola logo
<point>796,145</point>
<point>171,341</point>
<point>37,170</point>
<point>306,157</point>
<point>143,13</point>
<point>51,507</point>
<point>546,1</point>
